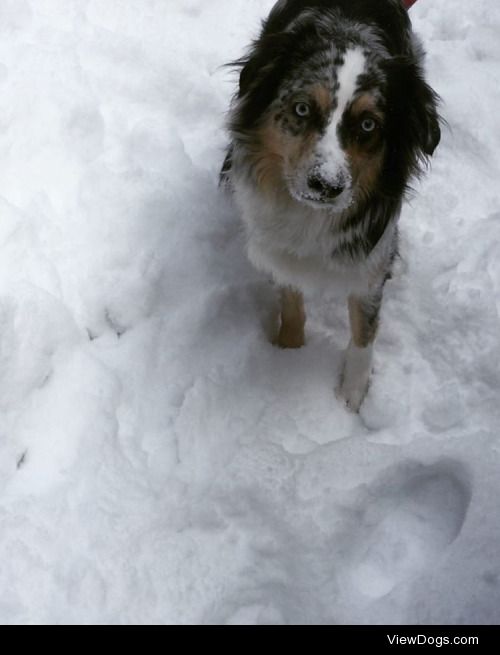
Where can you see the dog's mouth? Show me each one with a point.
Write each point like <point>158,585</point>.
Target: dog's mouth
<point>324,201</point>
<point>314,191</point>
<point>320,201</point>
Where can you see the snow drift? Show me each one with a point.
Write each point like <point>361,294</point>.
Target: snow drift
<point>160,461</point>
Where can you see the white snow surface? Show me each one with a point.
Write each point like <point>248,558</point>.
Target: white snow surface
<point>160,461</point>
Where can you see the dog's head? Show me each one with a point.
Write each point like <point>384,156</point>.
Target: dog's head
<point>328,116</point>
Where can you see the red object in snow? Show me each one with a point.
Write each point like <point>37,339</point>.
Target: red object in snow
<point>408,3</point>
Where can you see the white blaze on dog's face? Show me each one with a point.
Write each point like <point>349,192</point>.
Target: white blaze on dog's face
<point>322,138</point>
<point>328,176</point>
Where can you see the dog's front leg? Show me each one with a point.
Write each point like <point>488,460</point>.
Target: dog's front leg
<point>363,317</point>
<point>292,319</point>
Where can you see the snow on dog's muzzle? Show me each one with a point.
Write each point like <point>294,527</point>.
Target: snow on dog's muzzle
<point>327,189</point>
<point>327,186</point>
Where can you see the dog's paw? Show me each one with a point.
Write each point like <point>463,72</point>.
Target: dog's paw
<point>355,376</point>
<point>352,397</point>
<point>289,339</point>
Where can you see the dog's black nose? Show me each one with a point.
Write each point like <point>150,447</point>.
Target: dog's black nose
<point>327,190</point>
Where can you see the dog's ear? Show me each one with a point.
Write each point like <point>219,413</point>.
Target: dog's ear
<point>248,74</point>
<point>265,61</point>
<point>426,108</point>
<point>433,132</point>
<point>260,75</point>
<point>413,104</point>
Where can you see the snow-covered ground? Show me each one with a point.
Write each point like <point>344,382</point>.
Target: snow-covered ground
<point>160,462</point>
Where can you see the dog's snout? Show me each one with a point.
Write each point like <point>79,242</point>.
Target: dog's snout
<point>316,183</point>
<point>328,190</point>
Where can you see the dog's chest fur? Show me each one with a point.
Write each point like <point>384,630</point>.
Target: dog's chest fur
<point>310,249</point>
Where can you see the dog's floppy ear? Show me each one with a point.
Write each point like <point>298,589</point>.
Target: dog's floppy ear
<point>260,75</point>
<point>414,103</point>
<point>433,132</point>
<point>426,109</point>
<point>248,74</point>
<point>265,60</point>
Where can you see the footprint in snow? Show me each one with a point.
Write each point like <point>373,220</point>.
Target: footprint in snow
<point>410,520</point>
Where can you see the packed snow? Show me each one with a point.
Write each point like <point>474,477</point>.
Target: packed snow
<point>160,461</point>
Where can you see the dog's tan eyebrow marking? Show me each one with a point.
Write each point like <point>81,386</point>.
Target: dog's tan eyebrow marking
<point>366,102</point>
<point>321,95</point>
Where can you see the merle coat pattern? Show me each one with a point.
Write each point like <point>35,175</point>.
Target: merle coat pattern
<point>332,119</point>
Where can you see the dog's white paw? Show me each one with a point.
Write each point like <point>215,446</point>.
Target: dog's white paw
<point>355,376</point>
<point>352,398</point>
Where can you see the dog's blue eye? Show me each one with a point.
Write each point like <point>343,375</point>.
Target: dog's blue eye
<point>368,125</point>
<point>302,109</point>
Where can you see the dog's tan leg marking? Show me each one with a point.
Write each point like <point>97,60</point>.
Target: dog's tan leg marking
<point>293,319</point>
